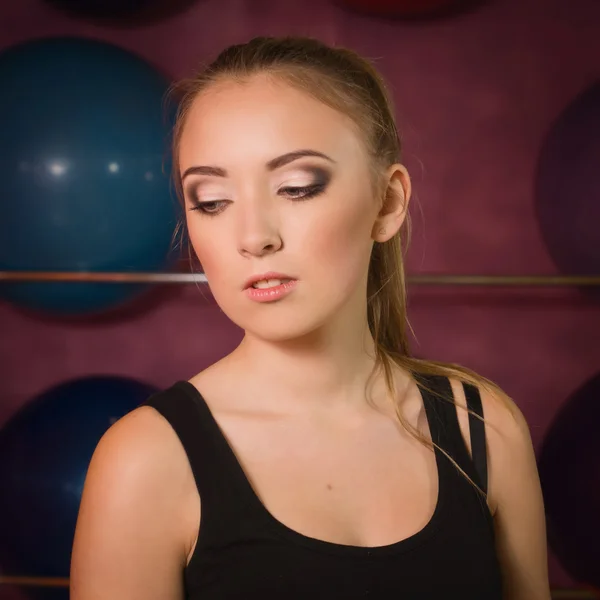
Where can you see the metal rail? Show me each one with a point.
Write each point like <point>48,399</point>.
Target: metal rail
<point>187,278</point>
<point>61,582</point>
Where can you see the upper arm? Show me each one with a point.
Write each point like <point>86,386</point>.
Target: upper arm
<point>130,539</point>
<point>515,497</point>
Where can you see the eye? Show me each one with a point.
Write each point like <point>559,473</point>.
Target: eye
<point>304,192</point>
<point>211,207</point>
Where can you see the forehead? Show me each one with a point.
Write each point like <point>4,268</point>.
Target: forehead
<point>262,118</point>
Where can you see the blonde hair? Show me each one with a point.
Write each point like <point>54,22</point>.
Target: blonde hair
<point>348,83</point>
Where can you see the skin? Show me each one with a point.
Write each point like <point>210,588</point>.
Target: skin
<point>140,509</point>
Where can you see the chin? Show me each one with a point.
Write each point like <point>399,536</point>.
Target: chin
<point>278,323</point>
<point>279,329</point>
<point>278,333</point>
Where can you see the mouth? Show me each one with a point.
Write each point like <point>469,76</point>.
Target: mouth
<point>267,280</point>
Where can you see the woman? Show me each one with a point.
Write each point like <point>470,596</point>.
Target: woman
<point>318,459</point>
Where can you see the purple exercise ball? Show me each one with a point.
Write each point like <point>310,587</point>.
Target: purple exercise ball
<point>568,186</point>
<point>569,467</point>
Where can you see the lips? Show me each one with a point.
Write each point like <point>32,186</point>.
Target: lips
<point>282,277</point>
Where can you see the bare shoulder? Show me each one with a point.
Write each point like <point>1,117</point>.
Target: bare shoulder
<point>503,417</point>
<point>514,495</point>
<point>141,449</point>
<point>133,528</point>
<point>507,435</point>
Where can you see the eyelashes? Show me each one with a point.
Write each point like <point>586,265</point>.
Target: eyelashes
<point>213,207</point>
<point>305,192</point>
<point>294,193</point>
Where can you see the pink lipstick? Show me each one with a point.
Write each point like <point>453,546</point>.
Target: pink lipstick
<point>269,287</point>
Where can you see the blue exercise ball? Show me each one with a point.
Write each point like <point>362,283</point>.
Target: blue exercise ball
<point>45,450</point>
<point>84,147</point>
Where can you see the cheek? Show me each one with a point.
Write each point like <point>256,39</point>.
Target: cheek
<point>208,252</point>
<point>341,244</point>
<point>212,258</point>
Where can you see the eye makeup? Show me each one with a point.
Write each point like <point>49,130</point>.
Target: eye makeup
<point>317,183</point>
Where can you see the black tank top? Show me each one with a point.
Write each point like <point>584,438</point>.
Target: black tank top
<point>243,552</point>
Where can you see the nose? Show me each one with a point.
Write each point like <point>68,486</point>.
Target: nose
<point>259,233</point>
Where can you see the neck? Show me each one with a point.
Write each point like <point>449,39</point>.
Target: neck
<point>324,367</point>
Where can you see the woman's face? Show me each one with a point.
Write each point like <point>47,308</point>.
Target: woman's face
<point>277,182</point>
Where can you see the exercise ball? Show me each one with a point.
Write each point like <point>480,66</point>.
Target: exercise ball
<point>84,132</point>
<point>409,9</point>
<point>569,467</point>
<point>120,12</point>
<point>45,450</point>
<point>567,197</point>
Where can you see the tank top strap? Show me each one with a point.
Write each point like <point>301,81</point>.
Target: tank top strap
<point>477,433</point>
<point>221,483</point>
<point>445,429</point>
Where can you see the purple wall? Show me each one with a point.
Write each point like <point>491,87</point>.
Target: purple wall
<point>475,95</point>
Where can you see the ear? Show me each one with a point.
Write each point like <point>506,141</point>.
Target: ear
<point>394,205</point>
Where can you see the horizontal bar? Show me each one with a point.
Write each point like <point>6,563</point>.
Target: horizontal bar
<point>562,594</point>
<point>186,278</point>
<point>86,276</point>
<point>35,581</point>
<point>574,594</point>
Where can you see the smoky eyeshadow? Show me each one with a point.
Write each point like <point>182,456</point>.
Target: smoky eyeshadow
<point>320,175</point>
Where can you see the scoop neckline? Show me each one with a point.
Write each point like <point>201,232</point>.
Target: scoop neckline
<point>286,532</point>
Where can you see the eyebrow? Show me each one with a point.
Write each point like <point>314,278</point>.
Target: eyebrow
<point>272,165</point>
